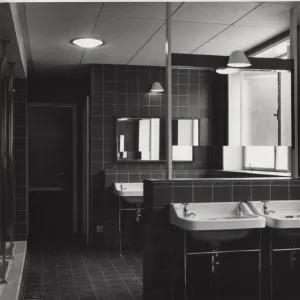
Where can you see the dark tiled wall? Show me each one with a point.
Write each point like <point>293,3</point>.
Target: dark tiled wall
<point>160,235</point>
<point>123,91</point>
<point>105,209</point>
<point>109,203</point>
<point>110,207</point>
<point>225,190</point>
<point>20,168</point>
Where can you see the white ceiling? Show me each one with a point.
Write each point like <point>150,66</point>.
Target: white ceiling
<point>134,33</point>
<point>8,31</point>
<point>278,50</point>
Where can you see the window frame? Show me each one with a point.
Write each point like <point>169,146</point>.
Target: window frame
<point>275,147</point>
<point>266,169</point>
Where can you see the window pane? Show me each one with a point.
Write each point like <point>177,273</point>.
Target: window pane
<point>259,157</point>
<point>282,162</point>
<point>259,104</point>
<point>286,131</point>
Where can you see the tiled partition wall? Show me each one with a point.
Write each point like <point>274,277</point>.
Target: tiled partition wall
<point>122,90</point>
<point>20,169</point>
<point>109,205</point>
<point>159,234</point>
<point>108,216</point>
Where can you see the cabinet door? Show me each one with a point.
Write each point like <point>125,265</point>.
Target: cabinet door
<point>238,276</point>
<point>233,276</point>
<point>286,272</point>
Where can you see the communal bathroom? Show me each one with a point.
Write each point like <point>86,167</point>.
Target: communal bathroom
<point>150,172</point>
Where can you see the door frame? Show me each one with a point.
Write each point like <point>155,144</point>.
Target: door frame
<point>75,154</point>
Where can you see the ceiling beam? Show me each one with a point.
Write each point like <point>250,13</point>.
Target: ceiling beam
<point>216,61</point>
<point>269,44</point>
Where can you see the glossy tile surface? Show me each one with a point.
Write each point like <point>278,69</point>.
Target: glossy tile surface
<point>72,272</point>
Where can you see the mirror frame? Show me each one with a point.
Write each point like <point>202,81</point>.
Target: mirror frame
<point>147,161</point>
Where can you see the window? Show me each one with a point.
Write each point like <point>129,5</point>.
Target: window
<point>262,95</point>
<point>273,158</point>
<point>266,120</point>
<point>259,111</point>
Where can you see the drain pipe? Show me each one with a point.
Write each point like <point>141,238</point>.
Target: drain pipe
<point>214,262</point>
<point>292,258</point>
<point>138,213</point>
<point>214,268</point>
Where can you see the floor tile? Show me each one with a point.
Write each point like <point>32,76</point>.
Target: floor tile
<point>62,272</point>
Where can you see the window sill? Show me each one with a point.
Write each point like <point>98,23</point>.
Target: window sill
<point>281,174</point>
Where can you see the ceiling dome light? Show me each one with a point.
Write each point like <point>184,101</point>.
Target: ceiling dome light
<point>157,87</point>
<point>238,59</point>
<point>226,71</point>
<point>87,42</point>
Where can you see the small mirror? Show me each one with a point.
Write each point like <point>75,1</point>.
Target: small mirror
<point>185,135</point>
<point>143,139</point>
<point>139,139</point>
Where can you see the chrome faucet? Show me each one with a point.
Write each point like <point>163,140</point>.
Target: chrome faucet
<point>185,211</point>
<point>239,209</point>
<point>122,187</point>
<point>265,208</point>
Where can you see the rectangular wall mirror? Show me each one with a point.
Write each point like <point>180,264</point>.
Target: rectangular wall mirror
<point>143,139</point>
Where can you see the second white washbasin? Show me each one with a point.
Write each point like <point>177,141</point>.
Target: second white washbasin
<point>132,192</point>
<point>216,222</point>
<point>281,214</point>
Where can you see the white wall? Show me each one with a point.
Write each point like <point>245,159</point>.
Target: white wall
<point>154,138</point>
<point>232,158</point>
<point>233,154</point>
<point>286,113</point>
<point>234,109</point>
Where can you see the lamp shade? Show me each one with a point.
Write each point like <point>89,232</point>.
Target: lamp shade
<point>238,59</point>
<point>157,87</point>
<point>226,71</point>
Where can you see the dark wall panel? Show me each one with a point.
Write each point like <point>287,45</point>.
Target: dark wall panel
<point>20,155</point>
<point>64,88</point>
<point>123,91</point>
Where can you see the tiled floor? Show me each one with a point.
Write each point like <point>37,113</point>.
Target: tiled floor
<point>76,273</point>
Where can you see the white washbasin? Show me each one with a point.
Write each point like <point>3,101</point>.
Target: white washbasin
<point>132,192</point>
<point>216,222</point>
<point>284,213</point>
